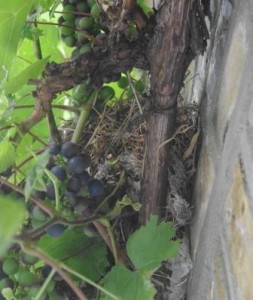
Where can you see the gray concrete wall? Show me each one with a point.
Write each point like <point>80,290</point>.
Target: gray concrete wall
<point>222,228</point>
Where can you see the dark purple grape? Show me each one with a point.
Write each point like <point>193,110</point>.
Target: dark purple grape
<point>84,177</point>
<point>59,172</point>
<point>78,164</point>
<point>7,172</point>
<point>69,149</point>
<point>96,188</point>
<point>45,271</point>
<point>51,163</point>
<point>74,184</point>
<point>56,230</point>
<point>5,189</point>
<point>40,194</point>
<point>28,259</point>
<point>54,148</point>
<point>50,192</point>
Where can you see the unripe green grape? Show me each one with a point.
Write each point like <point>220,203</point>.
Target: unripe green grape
<point>67,28</point>
<point>106,92</point>
<point>26,278</point>
<point>85,49</point>
<point>86,23</point>
<point>81,37</point>
<point>10,266</point>
<point>77,21</point>
<point>91,2</point>
<point>95,11</point>
<point>28,259</point>
<point>69,41</point>
<point>123,82</point>
<point>68,12</point>
<point>82,7</point>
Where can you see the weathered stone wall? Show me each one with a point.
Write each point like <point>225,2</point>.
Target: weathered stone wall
<point>222,228</point>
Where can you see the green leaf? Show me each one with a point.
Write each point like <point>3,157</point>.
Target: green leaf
<point>31,72</point>
<point>46,4</point>
<point>12,214</point>
<point>4,105</point>
<point>13,14</point>
<point>85,255</point>
<point>7,154</point>
<point>34,178</point>
<point>148,246</point>
<point>128,285</point>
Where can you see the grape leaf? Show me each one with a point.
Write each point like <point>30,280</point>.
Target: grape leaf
<point>85,255</point>
<point>34,178</point>
<point>128,285</point>
<point>33,71</point>
<point>12,18</point>
<point>148,246</point>
<point>15,211</point>
<point>7,154</point>
<point>46,4</point>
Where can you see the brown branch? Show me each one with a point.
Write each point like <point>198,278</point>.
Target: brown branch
<point>54,132</point>
<point>112,59</point>
<point>170,56</point>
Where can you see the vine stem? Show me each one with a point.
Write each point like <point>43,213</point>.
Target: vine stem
<point>44,285</point>
<point>90,282</point>
<point>64,107</point>
<point>28,248</point>
<point>118,185</point>
<point>134,92</point>
<point>84,115</point>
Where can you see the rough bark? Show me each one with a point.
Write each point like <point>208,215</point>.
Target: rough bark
<point>170,57</point>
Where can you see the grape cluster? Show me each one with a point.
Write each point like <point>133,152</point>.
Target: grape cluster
<point>79,24</point>
<point>78,190</point>
<point>19,273</point>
